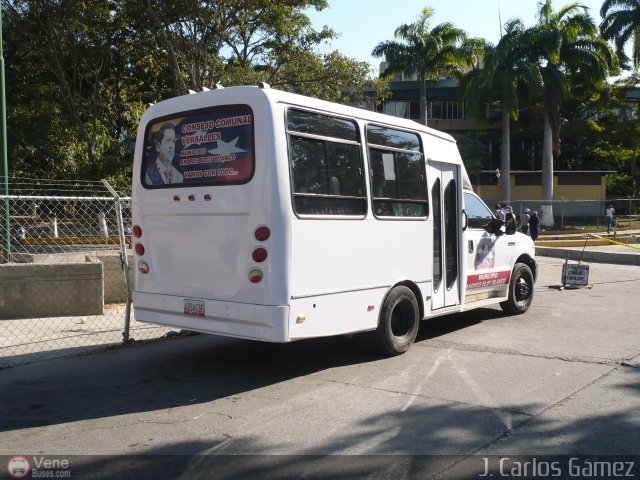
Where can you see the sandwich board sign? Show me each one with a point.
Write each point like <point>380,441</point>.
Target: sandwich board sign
<point>575,275</point>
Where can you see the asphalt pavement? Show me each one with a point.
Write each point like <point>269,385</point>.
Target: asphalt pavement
<point>562,379</point>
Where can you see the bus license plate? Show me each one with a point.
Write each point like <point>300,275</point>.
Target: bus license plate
<point>194,307</point>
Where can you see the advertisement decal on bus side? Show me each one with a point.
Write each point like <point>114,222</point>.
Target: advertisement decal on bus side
<point>489,279</point>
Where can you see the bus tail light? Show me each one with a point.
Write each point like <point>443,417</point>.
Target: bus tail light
<point>259,254</point>
<point>139,249</point>
<point>143,267</point>
<point>262,233</point>
<point>255,275</point>
<point>137,231</point>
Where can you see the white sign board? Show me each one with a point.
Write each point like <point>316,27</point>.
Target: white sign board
<point>575,274</point>
<point>389,166</point>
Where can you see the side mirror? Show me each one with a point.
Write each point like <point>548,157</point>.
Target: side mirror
<point>494,227</point>
<point>465,225</point>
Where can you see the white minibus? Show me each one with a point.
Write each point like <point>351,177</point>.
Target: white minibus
<point>267,215</point>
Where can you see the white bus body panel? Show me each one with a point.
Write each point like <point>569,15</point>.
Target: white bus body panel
<point>202,249</point>
<point>347,289</point>
<point>323,276</point>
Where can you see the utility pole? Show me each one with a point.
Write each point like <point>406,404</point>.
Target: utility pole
<point>6,230</point>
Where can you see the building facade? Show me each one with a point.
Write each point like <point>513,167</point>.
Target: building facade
<point>446,111</point>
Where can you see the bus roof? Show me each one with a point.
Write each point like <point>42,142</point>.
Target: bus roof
<point>182,103</point>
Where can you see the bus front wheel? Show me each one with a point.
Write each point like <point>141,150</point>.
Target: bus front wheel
<point>399,321</point>
<point>520,290</point>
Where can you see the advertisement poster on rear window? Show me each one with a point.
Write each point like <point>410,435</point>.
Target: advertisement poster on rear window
<point>207,148</point>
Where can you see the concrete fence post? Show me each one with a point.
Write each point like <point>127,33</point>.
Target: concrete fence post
<point>102,219</point>
<point>53,227</point>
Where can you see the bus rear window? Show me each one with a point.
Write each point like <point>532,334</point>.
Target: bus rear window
<point>213,147</point>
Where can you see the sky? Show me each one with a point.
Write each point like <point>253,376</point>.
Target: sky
<point>362,24</point>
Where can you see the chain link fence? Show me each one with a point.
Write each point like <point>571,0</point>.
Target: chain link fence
<point>66,265</point>
<point>65,269</point>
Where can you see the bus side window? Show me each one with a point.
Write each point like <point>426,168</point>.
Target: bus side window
<point>307,158</point>
<point>397,173</point>
<point>327,172</point>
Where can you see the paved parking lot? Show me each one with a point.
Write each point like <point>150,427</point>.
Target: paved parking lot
<point>562,379</point>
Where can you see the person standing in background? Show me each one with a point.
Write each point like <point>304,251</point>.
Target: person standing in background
<point>609,215</point>
<point>534,225</point>
<point>524,221</point>
<point>506,209</point>
<point>510,226</point>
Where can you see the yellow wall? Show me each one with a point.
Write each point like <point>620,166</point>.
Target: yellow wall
<point>560,192</point>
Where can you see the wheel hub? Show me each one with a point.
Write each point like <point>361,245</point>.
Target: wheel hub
<point>523,290</point>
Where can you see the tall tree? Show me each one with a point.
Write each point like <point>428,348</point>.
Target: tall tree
<point>571,55</point>
<point>621,23</point>
<point>430,53</point>
<point>80,72</point>
<point>506,75</point>
<point>69,70</point>
<point>247,41</point>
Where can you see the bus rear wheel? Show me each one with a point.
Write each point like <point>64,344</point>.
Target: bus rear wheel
<point>520,290</point>
<point>399,321</point>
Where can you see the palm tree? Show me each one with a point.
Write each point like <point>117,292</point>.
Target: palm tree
<point>507,73</point>
<point>428,52</point>
<point>621,23</point>
<point>570,54</point>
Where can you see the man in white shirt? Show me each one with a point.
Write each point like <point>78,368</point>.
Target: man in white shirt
<point>609,215</point>
<point>506,209</point>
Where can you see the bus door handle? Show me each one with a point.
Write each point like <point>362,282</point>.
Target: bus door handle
<point>470,246</point>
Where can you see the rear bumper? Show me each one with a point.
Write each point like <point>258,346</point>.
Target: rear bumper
<point>242,320</point>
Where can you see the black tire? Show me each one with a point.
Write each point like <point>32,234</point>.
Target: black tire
<point>399,322</point>
<point>520,290</point>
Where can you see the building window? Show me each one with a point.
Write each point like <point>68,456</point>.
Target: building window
<point>579,179</point>
<point>397,109</point>
<point>529,180</point>
<point>626,112</point>
<point>446,110</point>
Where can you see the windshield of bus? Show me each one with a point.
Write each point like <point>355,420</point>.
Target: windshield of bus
<point>207,147</point>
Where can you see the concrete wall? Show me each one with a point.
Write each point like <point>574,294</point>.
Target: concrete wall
<point>115,287</point>
<point>49,258</point>
<point>47,290</point>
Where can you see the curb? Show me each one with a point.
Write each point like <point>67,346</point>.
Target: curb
<point>572,243</point>
<point>589,256</point>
